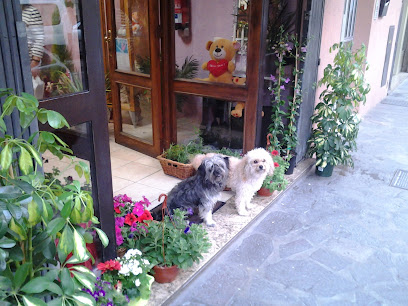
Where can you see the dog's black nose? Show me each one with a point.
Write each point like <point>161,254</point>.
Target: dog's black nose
<point>217,50</point>
<point>261,167</point>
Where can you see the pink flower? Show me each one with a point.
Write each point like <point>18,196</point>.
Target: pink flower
<point>272,92</point>
<point>273,79</point>
<point>275,153</point>
<point>119,239</point>
<point>287,80</point>
<point>282,87</point>
<point>303,49</point>
<point>276,164</point>
<point>138,209</point>
<point>120,221</point>
<point>145,202</point>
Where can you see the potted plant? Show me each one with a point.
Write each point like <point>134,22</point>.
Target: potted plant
<point>42,221</point>
<point>285,106</point>
<point>335,121</point>
<point>129,276</point>
<point>175,160</point>
<point>277,181</point>
<point>173,243</point>
<point>129,217</point>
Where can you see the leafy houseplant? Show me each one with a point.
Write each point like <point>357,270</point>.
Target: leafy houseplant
<point>173,241</point>
<point>41,221</point>
<point>335,121</point>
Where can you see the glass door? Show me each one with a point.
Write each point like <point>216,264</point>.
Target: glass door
<point>134,65</point>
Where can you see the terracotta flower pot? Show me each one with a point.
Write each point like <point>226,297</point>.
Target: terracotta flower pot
<point>264,192</point>
<point>165,274</point>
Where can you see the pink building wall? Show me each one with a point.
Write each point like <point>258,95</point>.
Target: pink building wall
<point>373,33</point>
<point>376,53</point>
<point>331,32</point>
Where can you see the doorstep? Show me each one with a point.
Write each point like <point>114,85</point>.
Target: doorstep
<point>229,225</point>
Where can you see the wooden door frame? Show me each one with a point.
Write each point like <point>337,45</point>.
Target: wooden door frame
<point>250,94</point>
<point>153,82</point>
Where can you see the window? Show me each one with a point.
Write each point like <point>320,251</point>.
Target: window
<point>349,19</point>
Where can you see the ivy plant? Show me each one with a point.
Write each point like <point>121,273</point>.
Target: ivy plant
<point>42,222</point>
<point>335,121</point>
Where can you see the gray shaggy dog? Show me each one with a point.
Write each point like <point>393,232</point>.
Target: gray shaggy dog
<point>201,190</point>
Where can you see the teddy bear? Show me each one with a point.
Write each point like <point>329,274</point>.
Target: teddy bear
<point>221,67</point>
<point>237,111</point>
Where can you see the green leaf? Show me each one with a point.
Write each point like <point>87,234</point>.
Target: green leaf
<point>3,257</point>
<point>55,226</point>
<point>50,250</point>
<point>66,243</point>
<point>3,227</point>
<point>7,243</point>
<point>67,282</point>
<point>66,210</point>
<point>84,280</point>
<point>56,120</point>
<point>34,153</point>
<point>16,254</point>
<point>18,229</point>
<point>15,211</point>
<point>80,250</point>
<point>6,157</point>
<point>34,213</point>
<point>3,126</point>
<point>36,285</point>
<point>33,301</point>
<point>21,275</point>
<point>5,283</point>
<point>83,298</point>
<point>48,137</point>
<point>25,162</point>
<point>102,236</point>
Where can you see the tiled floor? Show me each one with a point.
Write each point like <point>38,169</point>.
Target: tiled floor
<point>139,175</point>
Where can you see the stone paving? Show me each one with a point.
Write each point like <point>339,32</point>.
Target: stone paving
<point>341,240</point>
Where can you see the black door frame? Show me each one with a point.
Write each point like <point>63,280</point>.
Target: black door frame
<point>89,106</point>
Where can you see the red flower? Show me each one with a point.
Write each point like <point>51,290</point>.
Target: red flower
<point>110,265</point>
<point>130,219</point>
<point>276,164</point>
<point>145,216</point>
<point>117,210</point>
<point>275,153</point>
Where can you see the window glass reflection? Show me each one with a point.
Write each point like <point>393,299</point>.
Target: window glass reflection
<point>215,34</point>
<point>218,123</point>
<point>132,36</point>
<point>54,37</point>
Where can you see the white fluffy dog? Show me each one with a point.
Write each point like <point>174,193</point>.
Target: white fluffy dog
<point>246,175</point>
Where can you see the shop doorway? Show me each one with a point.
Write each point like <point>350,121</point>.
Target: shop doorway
<point>159,93</point>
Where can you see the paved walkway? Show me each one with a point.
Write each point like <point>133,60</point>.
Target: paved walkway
<point>341,240</point>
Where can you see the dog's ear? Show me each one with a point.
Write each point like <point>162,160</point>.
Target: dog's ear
<point>227,162</point>
<point>201,170</point>
<point>271,165</point>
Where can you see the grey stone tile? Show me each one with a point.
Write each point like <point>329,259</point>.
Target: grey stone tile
<point>330,259</point>
<point>294,247</point>
<point>371,271</point>
<point>279,224</point>
<point>309,277</point>
<point>253,250</point>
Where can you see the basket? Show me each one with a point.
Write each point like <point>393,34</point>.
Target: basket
<point>173,168</point>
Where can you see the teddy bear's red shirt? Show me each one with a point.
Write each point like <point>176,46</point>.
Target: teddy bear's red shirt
<point>217,68</point>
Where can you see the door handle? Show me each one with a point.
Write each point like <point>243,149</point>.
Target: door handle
<point>108,37</point>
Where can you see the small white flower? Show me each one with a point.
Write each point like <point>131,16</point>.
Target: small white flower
<point>137,283</point>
